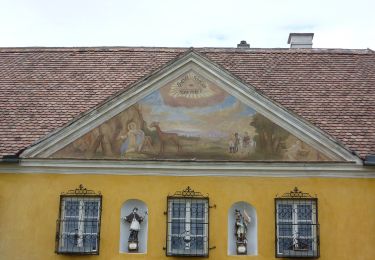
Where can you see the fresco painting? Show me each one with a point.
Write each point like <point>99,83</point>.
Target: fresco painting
<point>190,118</point>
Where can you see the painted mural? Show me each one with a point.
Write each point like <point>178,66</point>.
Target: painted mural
<point>190,118</point>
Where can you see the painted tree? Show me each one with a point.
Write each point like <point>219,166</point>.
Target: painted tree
<point>270,138</point>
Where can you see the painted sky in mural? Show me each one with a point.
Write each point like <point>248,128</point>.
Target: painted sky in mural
<point>191,119</point>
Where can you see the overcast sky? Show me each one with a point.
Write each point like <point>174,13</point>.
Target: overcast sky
<point>197,23</point>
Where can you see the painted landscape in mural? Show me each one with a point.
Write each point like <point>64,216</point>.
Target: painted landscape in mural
<point>190,119</point>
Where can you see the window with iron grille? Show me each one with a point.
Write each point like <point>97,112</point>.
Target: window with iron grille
<point>297,227</point>
<point>78,226</point>
<point>187,224</point>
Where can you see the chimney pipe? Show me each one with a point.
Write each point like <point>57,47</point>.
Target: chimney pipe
<point>300,40</point>
<point>243,45</point>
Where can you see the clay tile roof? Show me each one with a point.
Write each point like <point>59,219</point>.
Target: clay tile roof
<point>42,89</point>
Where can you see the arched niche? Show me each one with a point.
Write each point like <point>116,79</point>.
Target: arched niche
<point>127,208</point>
<point>252,230</point>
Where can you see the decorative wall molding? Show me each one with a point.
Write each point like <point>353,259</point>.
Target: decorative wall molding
<point>259,169</point>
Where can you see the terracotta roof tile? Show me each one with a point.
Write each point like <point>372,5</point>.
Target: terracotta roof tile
<point>42,89</point>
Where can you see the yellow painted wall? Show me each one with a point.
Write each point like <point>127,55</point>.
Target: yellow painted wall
<point>29,206</point>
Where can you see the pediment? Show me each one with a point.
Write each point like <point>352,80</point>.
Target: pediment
<point>190,110</point>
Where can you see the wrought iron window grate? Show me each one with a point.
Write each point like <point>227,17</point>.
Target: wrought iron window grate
<point>187,224</point>
<point>78,225</point>
<point>297,227</point>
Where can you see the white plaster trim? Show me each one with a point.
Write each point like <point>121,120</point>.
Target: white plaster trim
<point>156,168</point>
<point>302,129</point>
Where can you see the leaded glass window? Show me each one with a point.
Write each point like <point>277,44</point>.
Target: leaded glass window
<point>78,226</point>
<point>297,228</point>
<point>187,225</point>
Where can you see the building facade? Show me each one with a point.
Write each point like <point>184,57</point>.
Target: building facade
<point>157,153</point>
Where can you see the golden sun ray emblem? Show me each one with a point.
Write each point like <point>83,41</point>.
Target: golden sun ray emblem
<point>191,90</point>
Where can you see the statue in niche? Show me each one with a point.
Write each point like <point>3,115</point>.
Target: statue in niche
<point>241,223</point>
<point>135,221</point>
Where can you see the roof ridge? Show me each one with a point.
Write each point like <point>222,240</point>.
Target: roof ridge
<point>90,49</point>
<point>183,49</point>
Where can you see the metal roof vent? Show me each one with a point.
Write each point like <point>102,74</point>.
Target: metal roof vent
<point>370,160</point>
<point>243,45</point>
<point>300,40</point>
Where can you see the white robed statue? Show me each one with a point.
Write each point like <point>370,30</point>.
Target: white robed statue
<point>135,226</point>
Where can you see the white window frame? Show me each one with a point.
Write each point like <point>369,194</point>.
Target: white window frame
<point>85,224</point>
<point>295,222</point>
<point>189,221</point>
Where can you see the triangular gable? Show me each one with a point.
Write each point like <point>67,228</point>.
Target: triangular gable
<point>191,110</point>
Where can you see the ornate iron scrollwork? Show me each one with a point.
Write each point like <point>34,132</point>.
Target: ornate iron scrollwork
<point>296,194</point>
<point>188,193</point>
<point>80,191</point>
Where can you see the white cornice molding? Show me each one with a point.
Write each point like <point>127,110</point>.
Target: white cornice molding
<point>157,168</point>
<point>299,127</point>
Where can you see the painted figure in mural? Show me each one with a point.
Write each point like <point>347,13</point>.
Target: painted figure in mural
<point>231,145</point>
<point>135,225</point>
<point>133,139</point>
<point>296,151</point>
<point>241,223</point>
<point>236,142</point>
<point>248,144</point>
<point>246,140</point>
